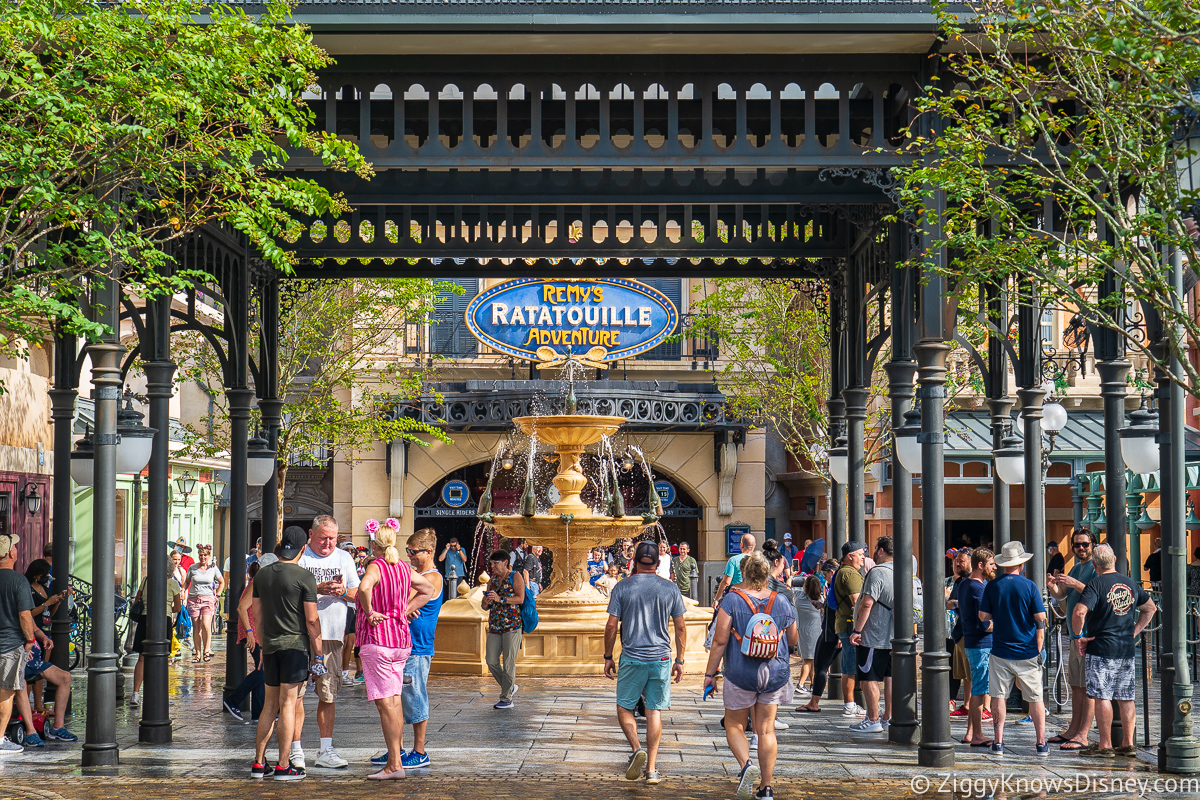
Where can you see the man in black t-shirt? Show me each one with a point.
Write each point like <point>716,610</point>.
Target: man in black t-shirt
<point>1106,607</point>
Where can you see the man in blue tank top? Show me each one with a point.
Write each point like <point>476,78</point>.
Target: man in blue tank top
<point>420,549</point>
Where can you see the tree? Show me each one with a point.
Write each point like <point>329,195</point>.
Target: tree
<point>343,365</point>
<point>126,126</point>
<point>1054,128</point>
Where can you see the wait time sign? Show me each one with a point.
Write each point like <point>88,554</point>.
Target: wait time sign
<point>622,317</point>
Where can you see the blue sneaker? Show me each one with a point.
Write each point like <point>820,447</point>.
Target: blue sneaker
<point>503,704</point>
<point>1043,749</point>
<point>1025,720</point>
<point>60,734</point>
<point>414,760</point>
<point>33,740</point>
<point>997,749</point>
<point>382,759</point>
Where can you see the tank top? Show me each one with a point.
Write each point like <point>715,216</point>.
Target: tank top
<point>390,598</point>
<point>425,623</point>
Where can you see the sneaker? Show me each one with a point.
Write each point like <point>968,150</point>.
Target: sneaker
<point>382,758</point>
<point>886,723</point>
<point>652,778</point>
<point>135,699</point>
<point>347,680</point>
<point>633,768</point>
<point>765,792</point>
<point>746,780</point>
<point>414,760</point>
<point>296,759</point>
<point>753,737</point>
<point>60,734</point>
<point>987,715</point>
<point>33,740</point>
<point>289,773</point>
<point>503,704</point>
<point>961,711</point>
<point>1043,749</point>
<point>1025,720</point>
<point>360,679</point>
<point>997,749</point>
<point>258,770</point>
<point>9,748</point>
<point>780,725</point>
<point>867,726</point>
<point>329,759</point>
<point>514,691</point>
<point>234,711</point>
<point>853,710</point>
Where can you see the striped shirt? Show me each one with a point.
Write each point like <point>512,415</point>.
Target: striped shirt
<point>390,598</point>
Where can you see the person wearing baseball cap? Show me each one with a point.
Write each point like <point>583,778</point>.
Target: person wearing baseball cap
<point>847,585</point>
<point>789,550</point>
<point>644,606</point>
<point>284,621</point>
<point>16,605</point>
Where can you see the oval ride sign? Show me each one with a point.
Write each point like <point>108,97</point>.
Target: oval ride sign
<point>572,317</point>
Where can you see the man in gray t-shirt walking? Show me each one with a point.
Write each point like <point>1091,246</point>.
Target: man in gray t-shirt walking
<point>872,636</point>
<point>643,604</point>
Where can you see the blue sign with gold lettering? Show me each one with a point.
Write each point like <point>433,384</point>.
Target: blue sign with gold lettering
<point>606,318</point>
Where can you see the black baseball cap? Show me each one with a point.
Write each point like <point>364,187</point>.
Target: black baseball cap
<point>292,542</point>
<point>646,553</point>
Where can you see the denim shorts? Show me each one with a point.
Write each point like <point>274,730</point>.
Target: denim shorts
<point>415,696</point>
<point>978,657</point>
<point>849,655</point>
<point>651,678</point>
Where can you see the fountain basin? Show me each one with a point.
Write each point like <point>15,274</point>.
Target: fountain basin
<point>573,431</point>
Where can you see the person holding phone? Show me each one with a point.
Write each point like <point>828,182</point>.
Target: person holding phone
<point>454,559</point>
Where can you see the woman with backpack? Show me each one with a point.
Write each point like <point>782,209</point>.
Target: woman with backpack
<point>758,676</point>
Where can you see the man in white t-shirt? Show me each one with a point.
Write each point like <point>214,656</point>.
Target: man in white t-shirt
<point>337,579</point>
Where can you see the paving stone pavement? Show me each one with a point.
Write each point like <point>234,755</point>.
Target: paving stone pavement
<point>561,740</point>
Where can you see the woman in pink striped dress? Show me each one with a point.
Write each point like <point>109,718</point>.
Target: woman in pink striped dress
<point>388,596</point>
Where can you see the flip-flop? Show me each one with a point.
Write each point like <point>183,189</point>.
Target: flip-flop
<point>1078,746</point>
<point>807,710</point>
<point>1058,739</point>
<point>987,743</point>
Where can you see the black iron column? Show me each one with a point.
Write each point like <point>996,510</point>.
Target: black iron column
<point>1113,367</point>
<point>1000,405</point>
<point>62,411</point>
<point>936,748</point>
<point>1032,397</point>
<point>155,727</point>
<point>837,415</point>
<point>100,738</point>
<point>269,404</point>
<point>1181,750</point>
<point>905,727</point>
<point>237,296</point>
<point>855,396</point>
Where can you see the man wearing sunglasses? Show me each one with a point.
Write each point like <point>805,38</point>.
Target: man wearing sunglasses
<point>1069,588</point>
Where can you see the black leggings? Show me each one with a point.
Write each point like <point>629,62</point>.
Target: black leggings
<point>822,661</point>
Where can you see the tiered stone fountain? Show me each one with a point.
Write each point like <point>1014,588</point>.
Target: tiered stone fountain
<point>569,639</point>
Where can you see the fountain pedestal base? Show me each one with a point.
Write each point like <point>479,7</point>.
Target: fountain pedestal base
<point>569,639</point>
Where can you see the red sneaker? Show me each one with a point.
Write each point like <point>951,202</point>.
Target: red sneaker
<point>986,714</point>
<point>961,711</point>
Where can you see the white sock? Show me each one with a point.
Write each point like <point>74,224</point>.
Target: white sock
<point>326,743</point>
<point>296,748</point>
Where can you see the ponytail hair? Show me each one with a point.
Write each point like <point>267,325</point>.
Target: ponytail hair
<point>385,538</point>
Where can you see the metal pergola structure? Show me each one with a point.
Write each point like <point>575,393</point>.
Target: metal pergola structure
<point>565,165</point>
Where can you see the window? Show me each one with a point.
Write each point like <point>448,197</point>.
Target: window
<point>668,350</point>
<point>449,335</point>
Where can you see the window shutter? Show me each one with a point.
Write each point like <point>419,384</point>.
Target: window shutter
<point>450,334</point>
<point>673,289</point>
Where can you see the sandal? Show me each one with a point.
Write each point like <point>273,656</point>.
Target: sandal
<point>195,659</point>
<point>807,710</point>
<point>1071,745</point>
<point>1059,739</point>
<point>985,743</point>
<point>207,657</point>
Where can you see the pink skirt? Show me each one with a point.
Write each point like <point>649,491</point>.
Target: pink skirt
<point>383,667</point>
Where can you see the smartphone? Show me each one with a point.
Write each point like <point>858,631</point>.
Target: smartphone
<point>795,565</point>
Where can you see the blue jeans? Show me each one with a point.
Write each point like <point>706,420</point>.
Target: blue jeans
<point>415,696</point>
<point>251,685</point>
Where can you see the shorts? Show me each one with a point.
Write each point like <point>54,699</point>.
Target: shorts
<point>285,666</point>
<point>960,667</point>
<point>12,669</point>
<point>34,669</point>
<point>351,616</point>
<point>874,663</point>
<point>979,657</point>
<point>200,604</point>
<point>737,698</point>
<point>141,630</point>
<point>415,697</point>
<point>849,655</point>
<point>1110,678</point>
<point>383,667</point>
<point>1075,668</point>
<point>636,678</point>
<point>1026,674</point>
<point>327,685</point>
